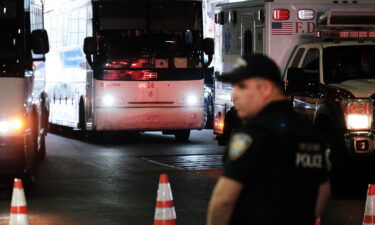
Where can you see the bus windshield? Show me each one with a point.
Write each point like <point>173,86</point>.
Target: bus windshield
<point>8,23</point>
<point>151,15</point>
<point>150,35</point>
<point>10,39</point>
<point>343,63</point>
<point>150,48</point>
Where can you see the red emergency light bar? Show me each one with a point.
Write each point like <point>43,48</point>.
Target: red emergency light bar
<point>346,34</point>
<point>280,14</point>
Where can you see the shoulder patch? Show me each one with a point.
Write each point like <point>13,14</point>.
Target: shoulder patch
<point>238,145</point>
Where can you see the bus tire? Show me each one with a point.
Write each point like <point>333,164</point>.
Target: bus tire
<point>45,115</point>
<point>83,133</point>
<point>42,140</point>
<point>29,180</point>
<point>208,115</point>
<point>182,135</point>
<point>42,148</point>
<point>81,116</point>
<point>38,143</point>
<point>231,123</point>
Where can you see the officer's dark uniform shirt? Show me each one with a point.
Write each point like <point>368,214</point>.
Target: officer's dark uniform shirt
<point>279,158</point>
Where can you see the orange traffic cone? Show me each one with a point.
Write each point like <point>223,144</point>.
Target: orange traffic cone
<point>369,217</point>
<point>317,222</point>
<point>18,209</point>
<point>164,213</point>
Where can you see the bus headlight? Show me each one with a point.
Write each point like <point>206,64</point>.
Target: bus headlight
<point>108,100</point>
<point>11,126</point>
<point>358,114</point>
<point>192,100</point>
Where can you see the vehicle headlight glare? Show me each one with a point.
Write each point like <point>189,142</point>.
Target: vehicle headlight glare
<point>4,127</point>
<point>16,124</point>
<point>192,100</point>
<point>108,100</point>
<point>10,126</point>
<point>358,113</point>
<point>356,121</point>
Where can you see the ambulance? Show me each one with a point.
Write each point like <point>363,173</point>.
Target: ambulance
<point>274,28</point>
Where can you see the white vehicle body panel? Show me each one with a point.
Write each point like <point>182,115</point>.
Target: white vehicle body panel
<point>70,81</point>
<point>275,38</point>
<point>361,88</point>
<point>13,97</point>
<point>148,105</point>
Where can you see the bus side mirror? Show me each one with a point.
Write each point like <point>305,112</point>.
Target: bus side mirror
<point>89,46</point>
<point>208,46</point>
<point>39,41</point>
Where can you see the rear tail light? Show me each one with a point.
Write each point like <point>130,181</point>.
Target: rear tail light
<point>280,14</point>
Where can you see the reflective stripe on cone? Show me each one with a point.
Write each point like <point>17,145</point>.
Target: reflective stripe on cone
<point>369,216</point>
<point>165,213</point>
<point>18,208</point>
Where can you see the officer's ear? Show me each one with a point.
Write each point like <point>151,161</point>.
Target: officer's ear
<point>266,87</point>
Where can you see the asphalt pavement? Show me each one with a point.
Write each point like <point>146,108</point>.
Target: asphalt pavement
<point>114,181</point>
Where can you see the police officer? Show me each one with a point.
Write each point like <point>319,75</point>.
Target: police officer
<point>275,170</point>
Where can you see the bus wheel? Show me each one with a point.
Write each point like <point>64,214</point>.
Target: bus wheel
<point>82,121</point>
<point>28,180</point>
<point>42,147</point>
<point>81,116</point>
<point>36,140</point>
<point>182,135</point>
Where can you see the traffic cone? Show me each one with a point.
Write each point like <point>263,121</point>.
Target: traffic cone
<point>164,212</point>
<point>18,208</point>
<point>369,217</point>
<point>317,222</point>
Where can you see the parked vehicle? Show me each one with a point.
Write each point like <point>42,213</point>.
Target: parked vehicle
<point>273,28</point>
<point>144,71</point>
<point>209,99</point>
<point>332,81</point>
<point>24,103</point>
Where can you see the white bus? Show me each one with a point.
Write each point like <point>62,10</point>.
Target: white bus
<point>24,103</point>
<point>127,65</point>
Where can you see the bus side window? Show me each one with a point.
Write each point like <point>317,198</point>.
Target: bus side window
<point>248,43</point>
